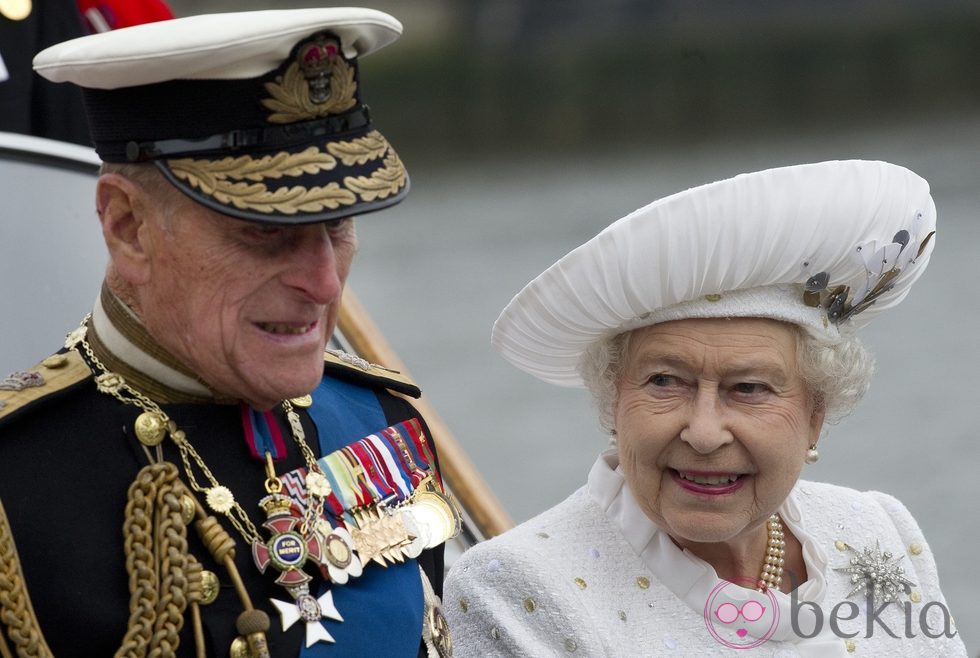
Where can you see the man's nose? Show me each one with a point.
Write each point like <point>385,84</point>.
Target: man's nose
<point>314,267</point>
<point>706,429</point>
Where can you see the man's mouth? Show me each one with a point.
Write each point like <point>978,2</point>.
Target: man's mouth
<point>285,329</point>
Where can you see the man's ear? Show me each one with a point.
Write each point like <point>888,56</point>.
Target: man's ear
<point>124,208</point>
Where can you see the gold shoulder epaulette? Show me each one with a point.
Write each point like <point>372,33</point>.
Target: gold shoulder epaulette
<point>57,372</point>
<point>387,377</point>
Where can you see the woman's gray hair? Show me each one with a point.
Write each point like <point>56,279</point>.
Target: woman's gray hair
<point>837,375</point>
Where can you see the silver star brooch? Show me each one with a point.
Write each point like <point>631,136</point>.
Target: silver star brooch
<point>876,574</point>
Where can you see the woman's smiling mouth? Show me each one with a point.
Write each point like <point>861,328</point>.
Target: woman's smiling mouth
<point>714,483</point>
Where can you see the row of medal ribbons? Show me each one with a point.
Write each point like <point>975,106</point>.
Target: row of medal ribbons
<point>386,491</point>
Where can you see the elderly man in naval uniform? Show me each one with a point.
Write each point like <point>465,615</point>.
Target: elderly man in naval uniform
<point>192,473</point>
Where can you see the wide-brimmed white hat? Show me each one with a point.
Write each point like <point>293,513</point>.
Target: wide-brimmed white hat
<point>826,246</point>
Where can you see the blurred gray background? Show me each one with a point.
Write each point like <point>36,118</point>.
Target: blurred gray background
<point>528,126</point>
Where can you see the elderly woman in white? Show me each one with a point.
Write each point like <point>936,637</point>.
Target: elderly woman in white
<point>716,328</point>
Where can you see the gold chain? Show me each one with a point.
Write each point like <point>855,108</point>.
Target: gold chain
<point>317,487</point>
<point>218,497</point>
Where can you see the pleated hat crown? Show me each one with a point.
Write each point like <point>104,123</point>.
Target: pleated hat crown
<point>258,115</point>
<point>826,246</point>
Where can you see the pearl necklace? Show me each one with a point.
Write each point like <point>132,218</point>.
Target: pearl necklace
<point>772,570</point>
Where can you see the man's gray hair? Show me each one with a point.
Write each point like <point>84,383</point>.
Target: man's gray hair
<point>836,375</point>
<point>144,174</point>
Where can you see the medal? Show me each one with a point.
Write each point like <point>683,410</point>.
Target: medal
<point>287,550</point>
<point>290,548</point>
<point>381,536</point>
<point>435,515</point>
<point>311,610</point>
<point>338,562</point>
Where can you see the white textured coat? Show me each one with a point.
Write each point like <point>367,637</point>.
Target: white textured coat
<point>594,577</point>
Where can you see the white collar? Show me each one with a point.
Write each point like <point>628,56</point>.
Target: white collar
<point>123,336</point>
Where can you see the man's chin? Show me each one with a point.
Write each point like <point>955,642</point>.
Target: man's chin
<point>269,396</point>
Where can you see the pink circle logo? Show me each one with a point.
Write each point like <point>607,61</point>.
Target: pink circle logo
<point>738,623</point>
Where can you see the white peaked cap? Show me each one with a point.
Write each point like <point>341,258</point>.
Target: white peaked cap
<point>748,246</point>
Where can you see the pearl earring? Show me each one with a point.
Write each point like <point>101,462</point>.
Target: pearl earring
<point>812,455</point>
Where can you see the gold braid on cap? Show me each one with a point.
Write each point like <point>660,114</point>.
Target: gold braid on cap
<point>245,167</point>
<point>382,183</point>
<point>361,150</point>
<point>237,181</point>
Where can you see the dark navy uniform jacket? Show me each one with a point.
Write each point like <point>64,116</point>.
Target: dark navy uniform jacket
<point>67,458</point>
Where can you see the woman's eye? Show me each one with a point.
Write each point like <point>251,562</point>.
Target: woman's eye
<point>750,388</point>
<point>663,380</point>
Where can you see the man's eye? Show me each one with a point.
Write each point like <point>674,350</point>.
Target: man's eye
<point>340,227</point>
<point>261,230</point>
<point>663,380</point>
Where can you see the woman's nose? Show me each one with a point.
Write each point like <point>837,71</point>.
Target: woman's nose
<point>706,428</point>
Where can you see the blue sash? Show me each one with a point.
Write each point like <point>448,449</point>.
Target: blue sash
<point>382,609</point>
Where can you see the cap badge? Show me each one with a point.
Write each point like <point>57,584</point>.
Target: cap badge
<point>319,82</point>
<point>315,60</point>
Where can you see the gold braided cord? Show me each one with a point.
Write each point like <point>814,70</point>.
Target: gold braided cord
<point>163,577</point>
<point>140,565</point>
<point>5,651</point>
<point>180,573</point>
<point>16,611</point>
<point>218,542</point>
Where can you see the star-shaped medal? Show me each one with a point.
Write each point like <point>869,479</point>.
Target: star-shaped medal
<point>876,574</point>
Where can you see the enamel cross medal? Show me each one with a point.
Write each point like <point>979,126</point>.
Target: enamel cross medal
<point>288,550</point>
